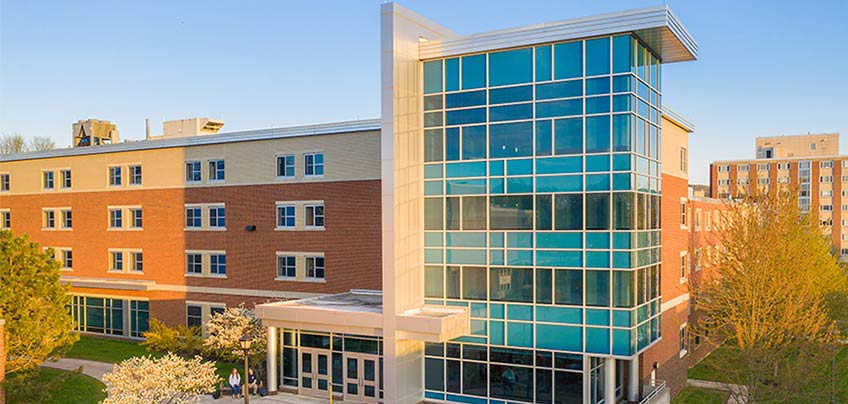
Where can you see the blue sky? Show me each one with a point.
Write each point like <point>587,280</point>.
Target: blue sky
<point>765,68</point>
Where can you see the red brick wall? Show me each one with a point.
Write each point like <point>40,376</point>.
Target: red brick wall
<point>351,240</point>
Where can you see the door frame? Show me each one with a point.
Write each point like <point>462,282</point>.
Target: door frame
<point>314,390</point>
<point>360,380</point>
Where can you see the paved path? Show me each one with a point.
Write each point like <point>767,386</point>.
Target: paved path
<point>98,369</point>
<point>737,392</point>
<point>90,368</point>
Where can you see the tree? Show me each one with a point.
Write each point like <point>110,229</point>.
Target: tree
<point>180,340</point>
<point>170,379</point>
<point>32,301</point>
<point>768,297</point>
<point>226,328</point>
<point>41,143</point>
<point>14,143</point>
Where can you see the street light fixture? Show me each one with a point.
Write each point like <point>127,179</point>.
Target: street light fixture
<point>245,342</point>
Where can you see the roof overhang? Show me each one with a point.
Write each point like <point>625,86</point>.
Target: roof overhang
<point>658,27</point>
<point>107,283</point>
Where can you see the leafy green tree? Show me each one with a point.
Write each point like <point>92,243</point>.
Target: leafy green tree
<point>32,301</point>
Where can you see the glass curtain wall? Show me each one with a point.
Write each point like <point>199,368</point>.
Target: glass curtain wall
<point>542,213</point>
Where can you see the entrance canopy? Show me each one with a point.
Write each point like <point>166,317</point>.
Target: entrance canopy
<point>361,312</point>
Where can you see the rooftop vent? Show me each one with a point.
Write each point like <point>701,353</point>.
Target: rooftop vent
<point>94,132</point>
<point>189,127</point>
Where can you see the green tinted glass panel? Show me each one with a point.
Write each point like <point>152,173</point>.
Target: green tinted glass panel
<point>568,212</point>
<point>597,340</point>
<point>597,211</point>
<point>511,140</point>
<point>568,136</point>
<point>597,288</point>
<point>564,89</point>
<point>597,56</point>
<point>433,77</point>
<point>473,71</point>
<point>511,67</point>
<point>543,63</point>
<point>452,74</point>
<point>452,144</point>
<point>434,279</point>
<point>621,54</point>
<point>554,314</point>
<point>433,145</point>
<point>544,212</point>
<point>568,60</point>
<point>520,281</point>
<point>559,337</point>
<point>597,134</point>
<point>559,240</point>
<point>519,334</point>
<point>559,165</point>
<point>544,138</point>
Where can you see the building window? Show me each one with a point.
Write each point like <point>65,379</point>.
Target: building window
<point>218,264</point>
<point>723,168</point>
<point>763,181</point>
<point>117,261</point>
<point>218,217</point>
<point>115,176</point>
<point>4,182</point>
<point>782,180</point>
<point>827,208</point>
<point>697,219</point>
<point>47,177</point>
<point>194,263</point>
<point>826,164</point>
<point>5,219</point>
<point>783,166</point>
<point>137,261</point>
<point>67,259</point>
<point>285,216</point>
<point>193,218</point>
<point>683,160</point>
<point>826,193</point>
<point>826,179</point>
<point>286,266</point>
<point>194,316</point>
<point>49,219</point>
<point>683,213</point>
<point>763,167</point>
<point>67,219</point>
<point>216,170</point>
<point>315,267</point>
<point>682,340</point>
<point>66,178</point>
<point>192,171</point>
<point>812,146</point>
<point>116,218</point>
<point>313,164</point>
<point>742,167</point>
<point>314,215</point>
<point>845,251</point>
<point>725,182</point>
<point>285,166</point>
<point>135,218</point>
<point>135,175</point>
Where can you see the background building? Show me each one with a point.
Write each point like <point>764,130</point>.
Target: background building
<point>808,163</point>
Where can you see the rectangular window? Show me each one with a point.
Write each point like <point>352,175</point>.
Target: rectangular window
<point>723,168</point>
<point>5,219</point>
<point>116,261</point>
<point>285,216</point>
<point>684,265</point>
<point>135,175</point>
<point>782,180</point>
<point>115,176</point>
<point>68,259</point>
<point>314,215</point>
<point>137,261</point>
<point>67,219</point>
<point>742,167</point>
<point>47,178</point>
<point>4,183</point>
<point>218,264</point>
<point>135,218</point>
<point>116,218</point>
<point>725,182</point>
<point>49,219</point>
<point>783,166</point>
<point>315,267</point>
<point>66,178</point>
<point>286,266</point>
<point>313,164</point>
<point>826,179</point>
<point>826,193</point>
<point>763,181</point>
<point>683,213</point>
<point>763,167</point>
<point>285,166</point>
<point>193,218</point>
<point>194,263</point>
<point>218,217</point>
<point>827,208</point>
<point>683,160</point>
<point>826,164</point>
<point>194,316</point>
<point>683,343</point>
<point>697,219</point>
<point>192,171</point>
<point>216,170</point>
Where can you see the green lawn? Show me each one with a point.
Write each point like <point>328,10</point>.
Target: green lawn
<point>692,395</point>
<point>76,388</point>
<point>106,349</point>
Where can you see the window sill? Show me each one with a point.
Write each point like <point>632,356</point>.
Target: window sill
<point>65,229</point>
<point>286,279</point>
<point>134,272</point>
<point>313,176</point>
<point>66,269</point>
<point>314,280</point>
<point>115,271</point>
<point>314,228</point>
<point>48,229</point>
<point>135,185</point>
<point>217,276</point>
<point>285,178</point>
<point>204,229</point>
<point>682,280</point>
<point>212,182</point>
<point>683,353</point>
<point>135,228</point>
<point>193,275</point>
<point>193,182</point>
<point>285,228</point>
<point>114,229</point>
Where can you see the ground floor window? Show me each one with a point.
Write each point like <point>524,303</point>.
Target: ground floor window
<point>103,315</point>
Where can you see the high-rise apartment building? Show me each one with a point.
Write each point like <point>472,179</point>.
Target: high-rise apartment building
<point>510,230</point>
<point>809,163</point>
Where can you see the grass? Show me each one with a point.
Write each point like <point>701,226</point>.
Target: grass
<point>692,395</point>
<point>708,369</point>
<point>75,388</point>
<point>106,349</point>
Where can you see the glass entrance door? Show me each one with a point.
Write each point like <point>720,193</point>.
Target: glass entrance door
<point>315,372</point>
<point>360,381</point>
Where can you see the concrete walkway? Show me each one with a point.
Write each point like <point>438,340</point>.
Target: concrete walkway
<point>98,369</point>
<point>737,392</point>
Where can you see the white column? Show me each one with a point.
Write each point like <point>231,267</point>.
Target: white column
<point>609,380</point>
<point>271,360</point>
<point>633,380</point>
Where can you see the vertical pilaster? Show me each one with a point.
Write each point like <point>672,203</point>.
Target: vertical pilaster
<point>633,380</point>
<point>271,360</point>
<point>609,380</point>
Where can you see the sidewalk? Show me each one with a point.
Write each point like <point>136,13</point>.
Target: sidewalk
<point>98,369</point>
<point>738,393</point>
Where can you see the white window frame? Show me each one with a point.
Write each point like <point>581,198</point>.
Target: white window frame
<point>195,218</point>
<point>48,180</point>
<point>286,166</point>
<point>215,256</point>
<point>5,182</point>
<point>314,216</point>
<point>684,266</point>
<point>283,275</point>
<point>216,167</point>
<point>216,218</point>
<point>134,261</point>
<point>135,177</point>
<point>113,261</point>
<point>66,178</point>
<point>115,176</point>
<point>193,265</point>
<point>67,219</point>
<point>67,256</point>
<point>306,164</point>
<point>314,268</point>
<point>5,219</point>
<point>116,218</point>
<point>739,167</point>
<point>136,214</point>
<point>826,179</point>
<point>48,219</point>
<point>193,167</point>
<point>284,208</point>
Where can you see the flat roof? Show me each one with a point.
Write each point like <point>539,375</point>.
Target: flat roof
<point>775,159</point>
<point>657,26</point>
<point>200,140</point>
<point>369,301</point>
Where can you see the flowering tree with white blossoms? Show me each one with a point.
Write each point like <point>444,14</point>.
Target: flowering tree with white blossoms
<point>226,329</point>
<point>170,379</point>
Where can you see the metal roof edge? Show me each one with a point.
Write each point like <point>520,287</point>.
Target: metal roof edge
<point>678,119</point>
<point>201,140</point>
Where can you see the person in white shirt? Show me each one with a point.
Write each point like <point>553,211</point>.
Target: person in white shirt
<point>235,383</point>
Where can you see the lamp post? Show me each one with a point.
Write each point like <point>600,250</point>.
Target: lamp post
<point>245,342</point>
